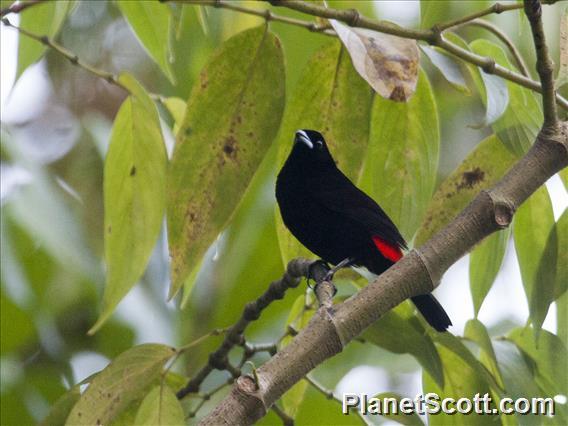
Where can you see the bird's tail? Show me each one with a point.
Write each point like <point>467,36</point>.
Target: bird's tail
<point>432,311</point>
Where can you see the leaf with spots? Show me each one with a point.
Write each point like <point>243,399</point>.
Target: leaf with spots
<point>232,116</point>
<point>487,163</point>
<point>134,194</point>
<point>388,63</point>
<point>329,97</point>
<point>125,379</point>
<point>402,158</point>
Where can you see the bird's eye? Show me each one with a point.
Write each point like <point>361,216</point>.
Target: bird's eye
<point>319,144</point>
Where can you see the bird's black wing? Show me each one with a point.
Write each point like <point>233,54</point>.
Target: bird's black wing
<point>337,193</point>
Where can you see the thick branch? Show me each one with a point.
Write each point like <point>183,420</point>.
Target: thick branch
<point>419,272</point>
<point>544,65</point>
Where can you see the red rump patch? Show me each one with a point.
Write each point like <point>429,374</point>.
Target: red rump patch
<point>388,250</point>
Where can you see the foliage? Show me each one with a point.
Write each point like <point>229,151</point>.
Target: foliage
<point>169,184</point>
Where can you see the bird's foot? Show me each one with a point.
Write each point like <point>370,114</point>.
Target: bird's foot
<point>315,271</point>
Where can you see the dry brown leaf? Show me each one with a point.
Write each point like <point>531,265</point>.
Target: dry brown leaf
<point>388,63</point>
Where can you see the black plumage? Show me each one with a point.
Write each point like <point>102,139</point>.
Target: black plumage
<point>335,220</point>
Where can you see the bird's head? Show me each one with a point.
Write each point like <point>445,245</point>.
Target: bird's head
<point>310,150</point>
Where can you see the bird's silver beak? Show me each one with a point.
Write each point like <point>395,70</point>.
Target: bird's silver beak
<point>301,136</point>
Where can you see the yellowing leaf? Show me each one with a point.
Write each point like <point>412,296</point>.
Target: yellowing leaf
<point>232,117</point>
<point>134,194</point>
<point>482,167</point>
<point>388,63</point>
<point>331,98</point>
<point>160,408</point>
<point>124,380</point>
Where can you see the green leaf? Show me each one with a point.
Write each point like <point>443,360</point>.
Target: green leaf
<point>124,380</point>
<point>16,325</point>
<point>298,318</point>
<point>403,151</point>
<point>134,194</point>
<point>329,97</point>
<point>517,376</point>
<point>496,99</point>
<point>461,379</point>
<point>160,407</point>
<point>482,168</point>
<point>562,317</point>
<point>400,331</point>
<point>476,331</point>
<point>400,418</point>
<point>532,228</point>
<point>45,19</point>
<point>560,234</point>
<point>432,12</point>
<point>518,126</point>
<point>484,264</point>
<point>450,68</point>
<point>62,407</point>
<point>230,123</point>
<point>548,357</point>
<point>455,345</point>
<point>150,22</point>
<point>176,108</point>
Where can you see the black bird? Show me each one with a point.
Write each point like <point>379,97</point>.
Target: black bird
<point>337,221</point>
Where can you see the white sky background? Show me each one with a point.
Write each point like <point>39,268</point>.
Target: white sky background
<point>506,299</point>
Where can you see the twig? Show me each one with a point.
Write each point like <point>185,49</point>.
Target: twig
<point>296,269</point>
<point>434,37</point>
<point>544,65</point>
<point>206,397</point>
<point>72,57</point>
<point>496,8</point>
<point>286,419</point>
<point>504,38</point>
<point>265,13</point>
<point>19,6</point>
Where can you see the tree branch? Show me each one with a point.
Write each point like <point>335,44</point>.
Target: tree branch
<point>504,38</point>
<point>72,57</point>
<point>296,269</point>
<point>266,14</point>
<point>19,6</point>
<point>434,37</point>
<point>544,65</point>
